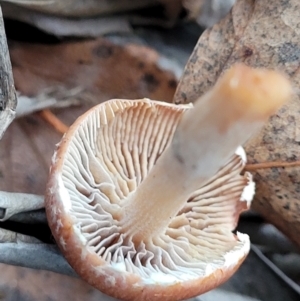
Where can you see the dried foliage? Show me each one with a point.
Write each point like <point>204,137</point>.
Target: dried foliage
<point>98,70</point>
<point>25,154</point>
<point>261,34</point>
<point>255,32</point>
<point>94,67</point>
<point>77,8</point>
<point>91,18</point>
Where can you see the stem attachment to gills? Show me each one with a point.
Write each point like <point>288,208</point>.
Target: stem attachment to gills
<point>205,139</point>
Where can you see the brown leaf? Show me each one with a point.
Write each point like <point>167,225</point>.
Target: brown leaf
<point>27,148</point>
<point>261,34</point>
<point>23,284</point>
<point>102,69</point>
<point>97,67</point>
<point>25,153</point>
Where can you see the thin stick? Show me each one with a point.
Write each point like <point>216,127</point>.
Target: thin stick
<point>265,165</point>
<point>59,126</point>
<point>276,270</point>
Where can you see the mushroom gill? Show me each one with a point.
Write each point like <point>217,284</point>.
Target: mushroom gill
<point>143,196</point>
<point>109,156</point>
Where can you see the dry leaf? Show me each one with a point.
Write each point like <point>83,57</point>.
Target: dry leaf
<point>261,34</point>
<point>79,8</point>
<point>25,155</point>
<point>26,150</point>
<point>94,67</point>
<point>100,68</point>
<point>23,284</point>
<point>89,8</point>
<point>91,18</point>
<point>61,26</point>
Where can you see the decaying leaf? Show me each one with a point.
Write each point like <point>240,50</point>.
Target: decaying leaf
<point>92,68</point>
<point>24,284</point>
<point>91,18</point>
<point>27,148</point>
<point>96,71</point>
<point>25,155</point>
<point>80,8</point>
<point>261,34</point>
<point>65,27</point>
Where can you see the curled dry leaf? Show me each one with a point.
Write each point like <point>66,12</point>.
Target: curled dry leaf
<point>25,155</point>
<point>104,69</point>
<point>90,8</point>
<point>79,8</point>
<point>61,26</point>
<point>93,68</point>
<point>261,34</point>
<point>91,18</point>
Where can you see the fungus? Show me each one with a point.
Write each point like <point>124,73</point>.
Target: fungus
<point>143,196</point>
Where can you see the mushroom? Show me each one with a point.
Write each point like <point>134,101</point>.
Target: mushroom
<point>143,196</point>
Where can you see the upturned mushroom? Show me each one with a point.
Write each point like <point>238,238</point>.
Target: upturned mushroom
<point>143,196</point>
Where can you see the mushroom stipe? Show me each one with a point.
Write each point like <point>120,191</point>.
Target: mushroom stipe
<point>143,196</point>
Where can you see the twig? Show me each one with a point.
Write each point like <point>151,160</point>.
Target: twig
<point>265,165</point>
<point>266,236</point>
<point>8,98</point>
<point>59,126</point>
<point>276,270</point>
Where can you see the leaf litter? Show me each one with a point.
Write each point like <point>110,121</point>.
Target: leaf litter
<point>257,33</point>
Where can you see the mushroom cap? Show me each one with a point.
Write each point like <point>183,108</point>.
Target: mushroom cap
<point>101,160</point>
